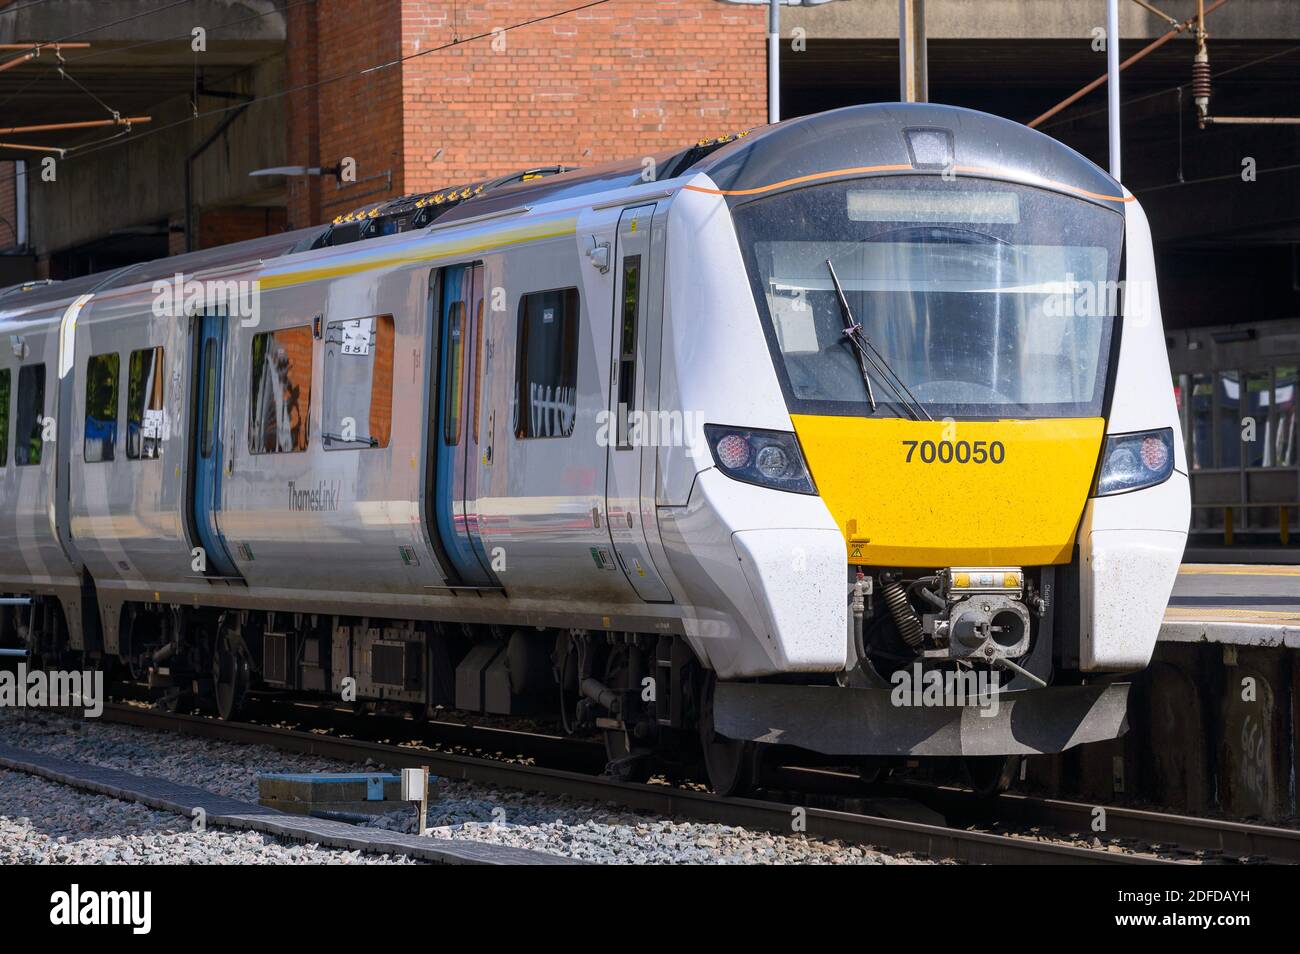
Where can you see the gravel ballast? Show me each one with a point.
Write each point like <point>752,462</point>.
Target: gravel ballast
<point>583,830</point>
<point>43,822</point>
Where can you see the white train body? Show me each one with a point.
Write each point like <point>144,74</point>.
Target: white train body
<point>700,304</point>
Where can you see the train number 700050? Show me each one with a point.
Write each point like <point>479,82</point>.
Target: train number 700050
<point>956,452</point>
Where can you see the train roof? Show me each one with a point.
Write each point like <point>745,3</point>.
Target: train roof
<point>902,138</point>
<point>852,141</point>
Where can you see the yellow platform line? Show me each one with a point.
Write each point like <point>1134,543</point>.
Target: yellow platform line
<point>1236,569</point>
<point>1201,614</point>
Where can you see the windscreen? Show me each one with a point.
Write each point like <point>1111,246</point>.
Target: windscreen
<point>986,298</point>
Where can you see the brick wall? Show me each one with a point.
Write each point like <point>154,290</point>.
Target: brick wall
<point>624,79</point>
<point>357,116</point>
<point>223,226</point>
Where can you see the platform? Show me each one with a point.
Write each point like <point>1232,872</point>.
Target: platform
<point>1236,604</point>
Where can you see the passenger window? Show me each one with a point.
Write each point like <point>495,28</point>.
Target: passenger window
<point>101,407</point>
<point>144,404</point>
<point>546,377</point>
<point>627,346</point>
<point>455,369</point>
<point>4,417</point>
<point>280,395</point>
<point>29,432</point>
<point>358,410</point>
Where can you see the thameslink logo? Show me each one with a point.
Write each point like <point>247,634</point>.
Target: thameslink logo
<point>94,908</point>
<point>233,299</point>
<point>936,688</point>
<point>324,497</point>
<point>56,689</point>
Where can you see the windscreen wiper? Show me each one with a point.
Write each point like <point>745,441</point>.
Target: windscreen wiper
<point>869,357</point>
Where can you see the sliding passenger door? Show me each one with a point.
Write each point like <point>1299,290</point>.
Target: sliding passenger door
<point>635,428</point>
<point>461,332</point>
<point>208,452</point>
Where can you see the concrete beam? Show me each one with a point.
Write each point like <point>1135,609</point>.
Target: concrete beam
<point>127,21</point>
<point>143,181</point>
<point>1038,19</point>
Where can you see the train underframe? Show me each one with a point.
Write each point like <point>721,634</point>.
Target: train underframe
<point>647,695</point>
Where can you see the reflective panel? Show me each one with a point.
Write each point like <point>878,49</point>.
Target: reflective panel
<point>1282,440</point>
<point>547,377</point>
<point>144,404</point>
<point>1202,429</point>
<point>358,409</point>
<point>101,407</point>
<point>281,393</point>
<point>1227,402</point>
<point>1255,427</point>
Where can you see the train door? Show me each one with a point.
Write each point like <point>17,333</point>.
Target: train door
<point>460,368</point>
<point>634,427</point>
<point>205,439</point>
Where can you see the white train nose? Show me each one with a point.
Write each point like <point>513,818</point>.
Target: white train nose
<point>797,577</point>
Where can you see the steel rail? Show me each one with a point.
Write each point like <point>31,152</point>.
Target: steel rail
<point>933,841</point>
<point>1231,838</point>
<point>1186,833</point>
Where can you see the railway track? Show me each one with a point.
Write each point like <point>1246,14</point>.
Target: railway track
<point>1213,835</point>
<point>927,840</point>
<point>1186,834</point>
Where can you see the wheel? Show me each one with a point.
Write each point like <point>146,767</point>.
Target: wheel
<point>991,775</point>
<point>730,763</point>
<point>229,676</point>
<point>619,744</point>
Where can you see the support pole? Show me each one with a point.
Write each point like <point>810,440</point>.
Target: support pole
<point>1112,83</point>
<point>913,70</point>
<point>774,62</point>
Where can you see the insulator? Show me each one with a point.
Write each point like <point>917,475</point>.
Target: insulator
<point>1201,79</point>
<point>909,627</point>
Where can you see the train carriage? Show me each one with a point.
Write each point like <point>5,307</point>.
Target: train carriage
<point>749,444</point>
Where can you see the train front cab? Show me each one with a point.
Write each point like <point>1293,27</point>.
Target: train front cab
<point>976,378</point>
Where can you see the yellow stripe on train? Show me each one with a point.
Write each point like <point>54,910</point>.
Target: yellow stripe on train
<point>971,493</point>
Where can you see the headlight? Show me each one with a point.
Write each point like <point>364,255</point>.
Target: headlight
<point>1134,461</point>
<point>766,458</point>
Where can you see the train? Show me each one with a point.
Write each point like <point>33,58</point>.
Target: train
<point>852,435</point>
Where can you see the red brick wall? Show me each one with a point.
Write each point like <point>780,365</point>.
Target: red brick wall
<point>627,78</point>
<point>357,116</point>
<point>624,79</point>
<point>223,226</point>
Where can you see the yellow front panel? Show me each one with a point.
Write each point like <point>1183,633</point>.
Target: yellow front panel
<point>944,507</point>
